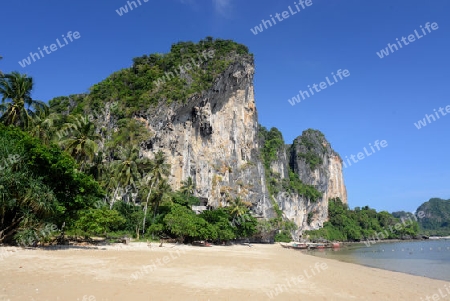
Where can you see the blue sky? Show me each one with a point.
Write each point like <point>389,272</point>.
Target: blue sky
<point>380,100</point>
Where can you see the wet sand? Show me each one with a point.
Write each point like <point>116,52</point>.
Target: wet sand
<point>178,272</point>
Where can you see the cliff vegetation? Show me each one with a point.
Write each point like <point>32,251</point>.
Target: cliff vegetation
<point>437,217</point>
<point>345,224</point>
<point>135,154</point>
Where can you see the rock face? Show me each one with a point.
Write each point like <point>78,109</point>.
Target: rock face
<point>213,138</point>
<point>434,217</point>
<point>317,164</point>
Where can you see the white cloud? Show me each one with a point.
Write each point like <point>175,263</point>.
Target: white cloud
<point>222,7</point>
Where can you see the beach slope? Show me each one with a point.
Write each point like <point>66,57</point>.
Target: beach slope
<point>176,272</point>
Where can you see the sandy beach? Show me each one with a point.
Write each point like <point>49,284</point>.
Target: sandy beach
<point>178,272</point>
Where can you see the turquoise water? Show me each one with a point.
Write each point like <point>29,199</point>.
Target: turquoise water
<point>429,258</point>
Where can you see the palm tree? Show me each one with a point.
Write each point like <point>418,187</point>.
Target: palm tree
<point>188,187</point>
<point>129,168</point>
<point>162,192</point>
<point>239,207</point>
<point>159,170</point>
<point>98,167</point>
<point>126,168</point>
<point>43,127</point>
<point>81,141</point>
<point>25,202</point>
<point>1,73</point>
<point>129,132</point>
<point>17,107</point>
<point>109,182</point>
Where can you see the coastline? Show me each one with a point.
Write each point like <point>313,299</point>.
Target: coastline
<point>238,272</point>
<point>428,258</point>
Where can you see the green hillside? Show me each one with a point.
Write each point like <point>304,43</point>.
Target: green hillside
<point>188,69</point>
<point>437,217</point>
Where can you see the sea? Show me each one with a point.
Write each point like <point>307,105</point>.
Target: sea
<point>428,258</point>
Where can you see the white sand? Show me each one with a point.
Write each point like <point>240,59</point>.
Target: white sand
<point>177,272</point>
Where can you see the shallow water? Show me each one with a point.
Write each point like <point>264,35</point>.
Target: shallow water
<point>429,258</point>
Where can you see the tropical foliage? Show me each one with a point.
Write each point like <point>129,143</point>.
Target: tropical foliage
<point>345,224</point>
<point>65,173</point>
<point>41,186</point>
<point>17,107</point>
<point>68,170</point>
<point>436,217</point>
<point>81,141</point>
<point>311,147</point>
<point>273,146</point>
<point>137,87</point>
<point>218,225</point>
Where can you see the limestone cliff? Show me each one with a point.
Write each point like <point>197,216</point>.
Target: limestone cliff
<point>213,139</point>
<point>317,164</point>
<point>205,121</point>
<point>303,176</point>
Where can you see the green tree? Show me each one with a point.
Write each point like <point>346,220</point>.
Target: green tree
<point>354,225</point>
<point>247,227</point>
<point>133,217</point>
<point>126,168</point>
<point>81,141</point>
<point>107,178</point>
<point>17,107</point>
<point>238,207</point>
<point>188,187</point>
<point>436,217</point>
<point>43,127</point>
<point>158,171</point>
<point>185,224</point>
<point>129,132</point>
<point>220,220</point>
<point>184,200</point>
<point>98,221</point>
<point>39,185</point>
<point>163,193</point>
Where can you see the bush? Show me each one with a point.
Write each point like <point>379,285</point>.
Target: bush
<point>99,221</point>
<point>283,236</point>
<point>182,222</point>
<point>220,221</point>
<point>354,225</point>
<point>41,187</point>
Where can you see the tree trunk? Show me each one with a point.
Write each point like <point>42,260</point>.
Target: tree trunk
<point>156,209</point>
<point>146,207</point>
<point>111,203</point>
